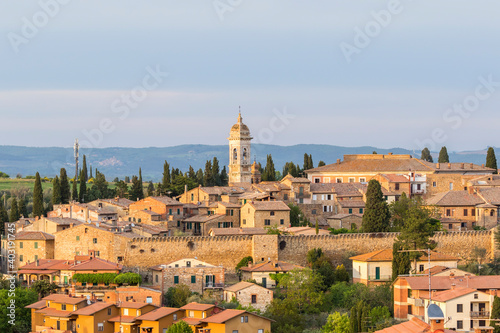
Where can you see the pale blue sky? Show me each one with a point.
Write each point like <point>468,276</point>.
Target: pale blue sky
<point>262,55</point>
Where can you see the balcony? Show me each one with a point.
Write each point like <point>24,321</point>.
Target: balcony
<point>480,314</point>
<point>213,285</point>
<point>380,278</point>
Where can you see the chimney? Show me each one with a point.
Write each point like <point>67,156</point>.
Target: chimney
<point>452,286</point>
<point>462,166</point>
<point>449,165</point>
<point>38,262</point>
<point>249,264</point>
<point>338,160</point>
<point>438,166</point>
<point>185,188</point>
<point>482,166</point>
<point>389,153</point>
<point>472,165</point>
<point>437,325</point>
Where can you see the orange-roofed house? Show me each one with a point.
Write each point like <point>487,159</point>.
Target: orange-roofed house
<point>95,318</point>
<point>260,272</point>
<point>126,319</point>
<point>57,312</point>
<point>235,321</point>
<point>158,320</point>
<point>376,267</point>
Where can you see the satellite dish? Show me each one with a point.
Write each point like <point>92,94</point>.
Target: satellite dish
<point>88,300</point>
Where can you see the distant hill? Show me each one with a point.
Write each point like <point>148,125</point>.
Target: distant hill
<point>121,162</point>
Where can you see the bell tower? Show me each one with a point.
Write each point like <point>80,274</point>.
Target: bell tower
<point>240,168</point>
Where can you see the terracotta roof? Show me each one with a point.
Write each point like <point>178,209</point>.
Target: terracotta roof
<point>455,198</point>
<point>395,178</point>
<point>122,202</point>
<point>202,264</point>
<point>253,195</point>
<point>167,200</point>
<point>223,316</point>
<point>190,321</point>
<point>33,235</point>
<point>378,164</point>
<point>63,220</point>
<point>270,205</point>
<point>414,325</point>
<point>447,295</point>
<point>145,211</point>
<point>229,204</point>
<point>445,282</point>
<point>93,308</point>
<point>51,312</point>
<point>197,306</point>
<point>63,299</point>
<point>295,179</point>
<point>269,266</point>
<point>220,190</point>
<point>96,264</point>
<point>133,305</point>
<point>386,255</point>
<point>270,187</point>
<point>158,313</point>
<point>240,286</point>
<point>153,229</point>
<point>203,218</point>
<point>491,195</point>
<point>123,319</point>
<point>37,305</point>
<point>343,216</point>
<point>322,187</point>
<point>237,231</point>
<point>48,264</point>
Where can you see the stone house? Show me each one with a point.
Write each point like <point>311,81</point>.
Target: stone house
<point>261,214</point>
<point>200,225</point>
<point>168,208</point>
<point>145,217</point>
<point>209,195</point>
<point>376,267</point>
<point>228,209</point>
<point>88,237</point>
<point>146,230</point>
<point>346,221</point>
<point>249,294</point>
<point>260,272</point>
<point>83,212</point>
<point>119,205</point>
<point>28,246</point>
<point>199,276</point>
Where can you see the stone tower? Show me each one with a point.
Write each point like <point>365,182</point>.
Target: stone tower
<point>239,153</point>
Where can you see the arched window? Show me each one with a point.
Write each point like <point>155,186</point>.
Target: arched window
<point>235,154</point>
<point>244,154</point>
<point>492,212</point>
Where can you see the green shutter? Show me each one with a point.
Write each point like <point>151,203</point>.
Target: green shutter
<point>176,279</point>
<point>193,278</point>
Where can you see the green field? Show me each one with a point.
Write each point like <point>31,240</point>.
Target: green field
<point>9,184</point>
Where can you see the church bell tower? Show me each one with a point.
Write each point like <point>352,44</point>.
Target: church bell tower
<point>240,168</point>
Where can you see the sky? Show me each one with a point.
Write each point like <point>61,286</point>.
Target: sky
<point>161,73</point>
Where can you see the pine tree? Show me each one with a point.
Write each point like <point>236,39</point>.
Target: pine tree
<point>23,210</point>
<point>426,155</point>
<point>207,176</point>
<point>495,314</point>
<point>135,190</point>
<point>443,156</point>
<point>56,191</point>
<point>223,177</point>
<point>83,186</point>
<point>37,197</point>
<point>491,160</point>
<point>216,179</point>
<point>141,192</point>
<point>376,216</point>
<point>269,173</point>
<point>321,163</point>
<point>84,169</point>
<point>14,211</point>
<point>74,191</point>
<point>64,185</point>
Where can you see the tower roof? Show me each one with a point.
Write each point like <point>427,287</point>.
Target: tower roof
<point>239,130</point>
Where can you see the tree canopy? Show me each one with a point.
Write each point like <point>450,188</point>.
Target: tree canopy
<point>426,155</point>
<point>443,155</point>
<point>376,216</point>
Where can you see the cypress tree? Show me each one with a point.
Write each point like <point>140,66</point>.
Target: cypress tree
<point>495,314</point>
<point>491,160</point>
<point>14,211</point>
<point>426,155</point>
<point>141,192</point>
<point>199,177</point>
<point>223,177</point>
<point>166,177</point>
<point>151,189</point>
<point>64,185</point>
<point>191,173</point>
<point>135,189</point>
<point>216,179</point>
<point>74,191</point>
<point>90,174</point>
<point>311,164</point>
<point>4,217</point>
<point>207,176</point>
<point>306,162</point>
<point>376,216</point>
<point>443,155</point>
<point>23,210</point>
<point>84,169</point>
<point>401,262</point>
<point>56,191</point>
<point>269,173</point>
<point>83,187</point>
<point>37,197</point>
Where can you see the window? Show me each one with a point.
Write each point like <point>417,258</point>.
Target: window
<point>451,186</point>
<point>465,211</point>
<point>149,299</point>
<point>63,307</point>
<point>235,331</point>
<point>139,220</point>
<point>301,190</point>
<point>492,212</point>
<point>178,211</point>
<point>285,196</point>
<point>188,263</point>
<point>316,180</point>
<point>328,197</point>
<point>192,197</point>
<point>410,309</point>
<point>313,211</point>
<point>254,299</point>
<point>473,212</point>
<point>352,179</point>
<point>271,213</point>
<point>460,308</point>
<point>175,316</point>
<point>242,319</point>
<point>125,312</point>
<point>77,238</point>
<point>244,221</point>
<point>419,187</point>
<point>361,210</point>
<point>191,314</point>
<point>463,224</point>
<point>94,240</point>
<point>20,245</point>
<point>396,186</point>
<point>450,226</point>
<point>448,212</point>
<point>246,319</point>
<point>260,331</point>
<point>193,278</point>
<point>109,311</point>
<point>421,268</point>
<point>434,184</point>
<point>36,245</point>
<point>350,210</point>
<point>100,327</point>
<point>267,222</point>
<point>176,279</point>
<point>338,180</point>
<point>460,324</point>
<point>86,230</point>
<point>282,221</point>
<point>21,257</point>
<point>476,296</point>
<point>156,278</point>
<point>482,323</point>
<point>170,211</point>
